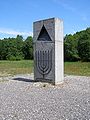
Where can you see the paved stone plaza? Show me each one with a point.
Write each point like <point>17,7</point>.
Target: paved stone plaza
<point>23,99</point>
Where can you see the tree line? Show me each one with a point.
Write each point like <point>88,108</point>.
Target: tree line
<point>76,47</point>
<point>16,48</point>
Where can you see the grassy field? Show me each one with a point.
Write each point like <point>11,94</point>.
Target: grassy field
<point>16,67</point>
<point>77,68</point>
<point>26,66</point>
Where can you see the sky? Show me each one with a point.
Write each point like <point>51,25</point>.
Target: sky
<point>17,16</point>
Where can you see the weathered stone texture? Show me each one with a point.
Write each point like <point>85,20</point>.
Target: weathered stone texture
<point>48,50</point>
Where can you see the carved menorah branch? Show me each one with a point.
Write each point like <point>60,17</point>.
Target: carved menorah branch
<point>44,61</point>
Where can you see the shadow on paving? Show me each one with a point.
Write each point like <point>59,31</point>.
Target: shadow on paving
<point>24,79</point>
<point>30,80</point>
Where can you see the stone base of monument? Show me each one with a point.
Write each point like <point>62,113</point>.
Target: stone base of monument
<point>48,50</point>
<point>52,82</point>
<point>48,85</point>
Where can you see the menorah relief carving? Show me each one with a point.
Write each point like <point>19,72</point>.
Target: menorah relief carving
<point>44,62</point>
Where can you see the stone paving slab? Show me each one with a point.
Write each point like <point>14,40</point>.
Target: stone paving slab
<point>23,99</point>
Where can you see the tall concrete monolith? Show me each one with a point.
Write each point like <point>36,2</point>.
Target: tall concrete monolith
<point>48,50</point>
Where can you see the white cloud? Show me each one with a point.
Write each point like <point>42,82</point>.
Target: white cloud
<point>14,32</point>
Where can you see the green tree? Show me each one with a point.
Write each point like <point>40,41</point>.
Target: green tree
<point>28,48</point>
<point>14,51</point>
<point>11,48</point>
<point>84,46</point>
<point>4,47</point>
<point>70,48</point>
<point>0,49</point>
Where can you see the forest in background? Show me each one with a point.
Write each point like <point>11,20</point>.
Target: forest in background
<point>16,48</point>
<point>76,47</point>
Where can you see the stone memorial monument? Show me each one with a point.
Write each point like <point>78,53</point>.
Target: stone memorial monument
<point>48,50</point>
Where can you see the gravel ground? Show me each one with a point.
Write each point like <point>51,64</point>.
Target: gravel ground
<point>23,99</point>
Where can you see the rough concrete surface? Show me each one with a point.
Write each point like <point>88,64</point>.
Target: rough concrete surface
<point>23,99</point>
<point>48,50</point>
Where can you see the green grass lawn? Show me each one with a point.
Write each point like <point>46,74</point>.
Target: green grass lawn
<point>16,67</point>
<point>26,66</point>
<point>77,68</point>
